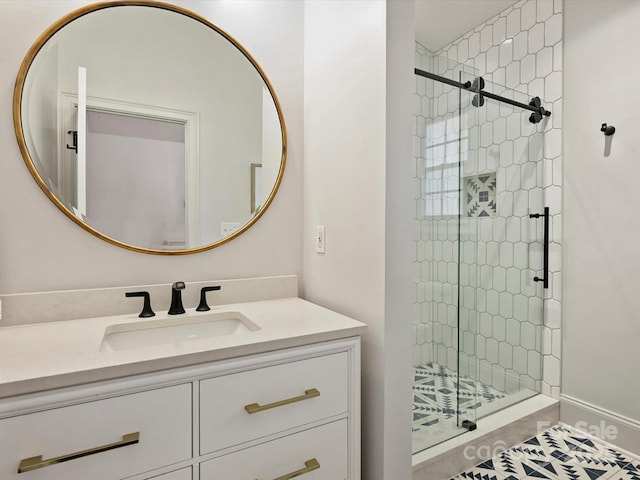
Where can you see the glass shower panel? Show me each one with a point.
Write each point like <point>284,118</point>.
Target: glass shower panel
<point>479,251</point>
<point>502,187</point>
<point>444,399</point>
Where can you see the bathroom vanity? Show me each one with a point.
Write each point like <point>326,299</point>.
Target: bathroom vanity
<point>265,385</point>
<point>276,402</point>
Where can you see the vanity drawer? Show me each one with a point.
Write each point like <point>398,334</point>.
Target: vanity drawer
<point>184,474</point>
<point>288,391</point>
<point>161,418</point>
<point>326,445</point>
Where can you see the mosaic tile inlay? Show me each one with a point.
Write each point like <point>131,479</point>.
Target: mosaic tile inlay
<point>437,390</point>
<point>560,453</point>
<point>480,195</point>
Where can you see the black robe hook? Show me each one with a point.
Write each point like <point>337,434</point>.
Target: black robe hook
<point>608,130</point>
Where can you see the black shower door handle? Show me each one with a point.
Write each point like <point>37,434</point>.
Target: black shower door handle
<point>545,258</point>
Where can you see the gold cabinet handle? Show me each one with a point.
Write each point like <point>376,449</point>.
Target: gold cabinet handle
<point>310,465</point>
<point>255,408</point>
<point>33,463</point>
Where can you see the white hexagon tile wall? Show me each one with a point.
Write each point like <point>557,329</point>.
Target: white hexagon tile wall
<point>510,168</point>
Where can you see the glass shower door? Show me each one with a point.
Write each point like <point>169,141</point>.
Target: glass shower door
<point>504,207</point>
<point>479,252</point>
<point>444,400</point>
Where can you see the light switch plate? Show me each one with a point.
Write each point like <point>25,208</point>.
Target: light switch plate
<point>320,239</point>
<point>227,228</point>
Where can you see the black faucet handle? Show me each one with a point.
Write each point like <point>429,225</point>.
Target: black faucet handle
<point>203,307</point>
<point>176,307</point>
<point>146,308</point>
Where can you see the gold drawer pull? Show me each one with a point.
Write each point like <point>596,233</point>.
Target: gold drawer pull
<point>255,408</point>
<point>310,465</point>
<point>33,463</point>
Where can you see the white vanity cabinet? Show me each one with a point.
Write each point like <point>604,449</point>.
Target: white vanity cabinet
<point>182,474</point>
<point>111,438</point>
<point>316,454</point>
<point>275,415</point>
<point>264,401</point>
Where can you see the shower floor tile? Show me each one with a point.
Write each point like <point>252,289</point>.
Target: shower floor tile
<point>440,395</point>
<point>559,453</point>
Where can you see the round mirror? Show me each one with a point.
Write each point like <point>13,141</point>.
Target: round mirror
<point>149,127</point>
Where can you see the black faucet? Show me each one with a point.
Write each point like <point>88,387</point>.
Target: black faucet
<point>203,307</point>
<point>146,309</point>
<point>176,307</point>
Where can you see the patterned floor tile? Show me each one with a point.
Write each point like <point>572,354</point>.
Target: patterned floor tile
<point>537,447</point>
<point>598,453</point>
<point>546,447</point>
<point>560,438</point>
<point>574,444</point>
<point>560,470</point>
<point>510,463</point>
<point>570,455</point>
<point>475,474</point>
<point>630,471</point>
<point>559,453</point>
<point>442,395</point>
<point>479,474</point>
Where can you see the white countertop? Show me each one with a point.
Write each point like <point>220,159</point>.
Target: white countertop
<point>51,355</point>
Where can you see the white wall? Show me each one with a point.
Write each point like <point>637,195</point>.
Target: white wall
<point>399,240</point>
<point>42,127</point>
<point>146,206</point>
<point>41,249</point>
<point>601,231</point>
<point>357,183</point>
<point>344,182</point>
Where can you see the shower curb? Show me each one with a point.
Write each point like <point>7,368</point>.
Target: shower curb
<point>449,463</point>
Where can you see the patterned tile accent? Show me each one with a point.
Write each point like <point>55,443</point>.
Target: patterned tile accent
<point>480,195</point>
<point>437,391</point>
<point>560,453</point>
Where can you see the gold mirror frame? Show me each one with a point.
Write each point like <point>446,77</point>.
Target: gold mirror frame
<point>18,126</point>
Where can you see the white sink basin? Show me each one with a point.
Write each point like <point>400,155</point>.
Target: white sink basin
<point>180,329</point>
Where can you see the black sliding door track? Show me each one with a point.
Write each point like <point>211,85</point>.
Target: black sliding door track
<point>535,105</point>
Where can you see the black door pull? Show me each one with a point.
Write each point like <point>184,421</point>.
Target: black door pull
<point>545,268</point>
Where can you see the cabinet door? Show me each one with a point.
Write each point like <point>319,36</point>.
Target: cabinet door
<point>184,474</point>
<point>161,419</point>
<point>316,454</point>
<point>300,392</point>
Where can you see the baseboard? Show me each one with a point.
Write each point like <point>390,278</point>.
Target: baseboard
<point>611,427</point>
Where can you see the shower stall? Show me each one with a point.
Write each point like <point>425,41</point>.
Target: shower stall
<point>481,248</point>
